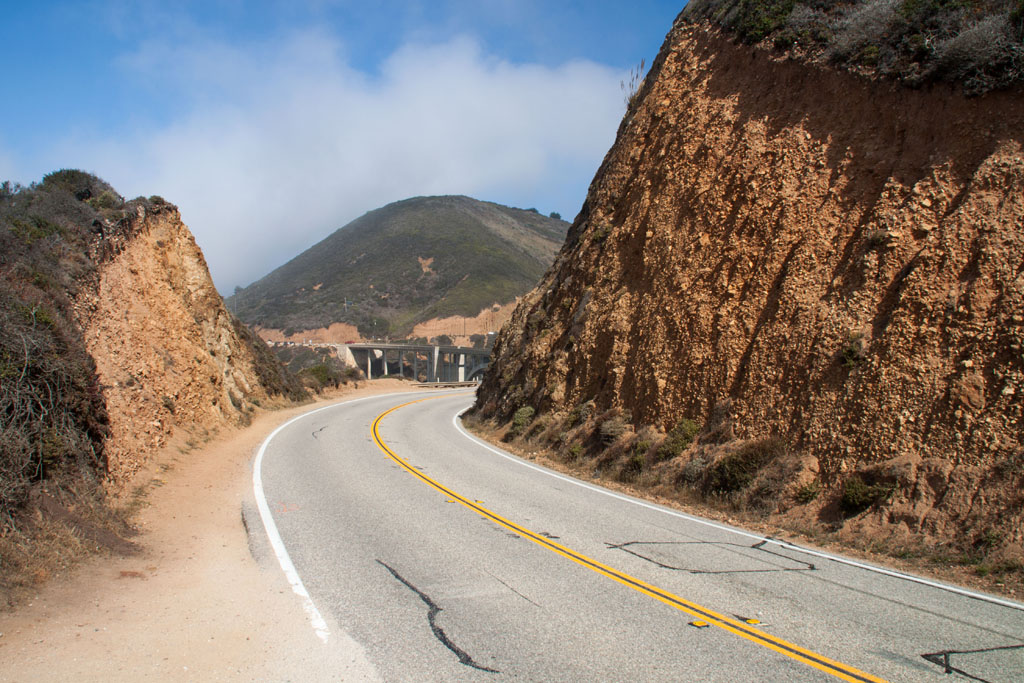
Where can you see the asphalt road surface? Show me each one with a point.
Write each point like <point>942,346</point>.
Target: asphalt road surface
<point>447,560</point>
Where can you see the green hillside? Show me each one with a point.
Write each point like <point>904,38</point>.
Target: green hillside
<point>976,44</point>
<point>410,261</point>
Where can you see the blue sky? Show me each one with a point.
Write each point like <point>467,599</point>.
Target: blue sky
<point>271,124</point>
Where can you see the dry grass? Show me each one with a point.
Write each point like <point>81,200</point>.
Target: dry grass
<point>60,528</point>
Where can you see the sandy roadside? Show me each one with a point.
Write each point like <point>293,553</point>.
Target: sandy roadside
<point>194,605</point>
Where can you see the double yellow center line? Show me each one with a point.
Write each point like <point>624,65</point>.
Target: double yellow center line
<point>735,626</point>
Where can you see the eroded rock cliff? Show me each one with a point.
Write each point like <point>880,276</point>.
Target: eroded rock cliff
<point>775,249</point>
<point>168,354</point>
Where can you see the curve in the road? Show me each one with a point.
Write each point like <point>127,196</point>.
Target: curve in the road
<point>274,536</point>
<point>818,661</point>
<point>973,595</point>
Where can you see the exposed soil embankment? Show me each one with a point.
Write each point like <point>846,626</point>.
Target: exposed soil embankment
<point>456,327</point>
<point>166,349</point>
<point>825,265</point>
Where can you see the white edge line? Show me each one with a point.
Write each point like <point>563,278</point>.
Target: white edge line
<point>315,618</point>
<point>763,539</point>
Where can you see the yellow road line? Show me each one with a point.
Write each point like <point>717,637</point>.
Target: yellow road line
<point>744,630</point>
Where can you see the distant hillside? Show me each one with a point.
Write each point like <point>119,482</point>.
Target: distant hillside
<point>405,263</point>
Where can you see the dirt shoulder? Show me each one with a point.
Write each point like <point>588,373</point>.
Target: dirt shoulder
<point>194,604</point>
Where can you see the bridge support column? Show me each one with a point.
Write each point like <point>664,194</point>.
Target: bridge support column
<point>437,360</point>
<point>369,365</point>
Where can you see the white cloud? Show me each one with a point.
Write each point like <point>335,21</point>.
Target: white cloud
<point>281,143</point>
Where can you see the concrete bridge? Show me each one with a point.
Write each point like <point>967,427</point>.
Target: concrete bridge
<point>422,362</point>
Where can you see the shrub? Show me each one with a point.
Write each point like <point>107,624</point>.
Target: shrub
<point>986,55</point>
<point>106,200</point>
<point>858,496</point>
<point>535,318</point>
<point>574,451</point>
<point>876,239</point>
<point>612,428</point>
<point>852,352</point>
<point>975,43</point>
<point>633,466</point>
<point>692,472</point>
<point>678,439</point>
<point>53,420</point>
<point>580,414</point>
<point>522,417</point>
<point>318,376</point>
<point>759,18</point>
<point>735,471</point>
<point>520,420</point>
<point>807,492</point>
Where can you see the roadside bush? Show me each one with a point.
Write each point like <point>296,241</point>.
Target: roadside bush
<point>520,420</point>
<point>734,472</point>
<point>523,417</point>
<point>692,472</point>
<point>612,428</point>
<point>807,492</point>
<point>633,467</point>
<point>677,440</point>
<point>580,414</point>
<point>858,496</point>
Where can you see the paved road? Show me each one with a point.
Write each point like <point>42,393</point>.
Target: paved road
<point>447,561</point>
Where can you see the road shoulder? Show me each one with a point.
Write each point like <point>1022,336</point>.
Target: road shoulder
<point>194,604</point>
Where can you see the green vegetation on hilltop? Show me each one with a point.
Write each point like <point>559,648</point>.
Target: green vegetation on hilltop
<point>53,415</point>
<point>410,261</point>
<point>976,43</point>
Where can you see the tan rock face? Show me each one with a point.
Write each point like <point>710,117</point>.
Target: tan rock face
<point>842,259</point>
<point>165,349</point>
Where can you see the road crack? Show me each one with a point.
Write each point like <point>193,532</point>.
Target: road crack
<point>432,611</point>
<point>942,658</point>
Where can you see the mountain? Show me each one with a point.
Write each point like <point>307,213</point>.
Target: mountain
<point>794,291</point>
<point>406,263</point>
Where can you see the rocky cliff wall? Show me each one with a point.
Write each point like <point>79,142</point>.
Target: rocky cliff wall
<point>167,352</point>
<point>808,255</point>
